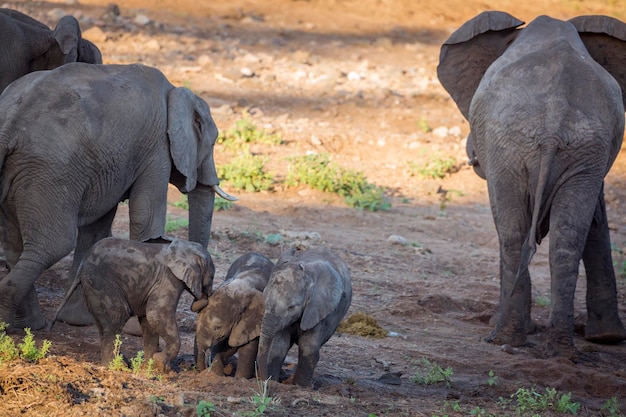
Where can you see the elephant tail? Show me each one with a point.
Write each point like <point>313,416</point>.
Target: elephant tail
<point>68,294</point>
<point>530,244</point>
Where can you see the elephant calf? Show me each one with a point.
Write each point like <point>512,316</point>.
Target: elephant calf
<point>123,278</point>
<point>231,322</point>
<point>307,295</point>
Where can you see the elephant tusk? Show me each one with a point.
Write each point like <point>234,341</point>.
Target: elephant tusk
<point>223,194</point>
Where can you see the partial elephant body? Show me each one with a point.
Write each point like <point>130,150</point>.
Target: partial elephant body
<point>123,278</point>
<point>231,321</point>
<point>117,132</point>
<point>547,122</point>
<point>307,296</point>
<point>29,45</point>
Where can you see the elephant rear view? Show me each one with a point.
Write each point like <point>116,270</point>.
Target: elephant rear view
<point>306,298</point>
<point>28,45</point>
<point>115,132</point>
<point>545,105</point>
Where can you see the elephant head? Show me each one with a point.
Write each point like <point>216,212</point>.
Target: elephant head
<point>468,53</point>
<point>191,264</point>
<point>192,134</point>
<point>32,46</point>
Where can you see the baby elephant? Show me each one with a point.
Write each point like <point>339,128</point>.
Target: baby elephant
<point>231,322</point>
<point>308,294</point>
<point>123,278</point>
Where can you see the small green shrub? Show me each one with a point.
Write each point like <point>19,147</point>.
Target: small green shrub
<point>319,172</point>
<point>117,363</point>
<point>433,374</point>
<point>8,350</point>
<point>174,223</point>
<point>246,132</point>
<point>492,381</point>
<point>247,172</point>
<point>137,362</point>
<point>529,400</point>
<point>29,350</point>
<point>611,406</point>
<point>436,168</point>
<point>204,409</point>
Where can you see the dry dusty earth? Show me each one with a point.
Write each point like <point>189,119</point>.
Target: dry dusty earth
<point>356,79</point>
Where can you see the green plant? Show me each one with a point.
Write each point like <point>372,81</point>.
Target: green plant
<point>246,172</point>
<point>136,362</point>
<point>529,400</point>
<point>542,301</point>
<point>204,409</point>
<point>8,350</point>
<point>28,349</point>
<point>319,172</point>
<point>246,132</point>
<point>117,363</point>
<point>611,406</point>
<point>174,223</point>
<point>433,374</point>
<point>436,168</point>
<point>492,381</point>
<point>423,125</point>
<point>261,398</point>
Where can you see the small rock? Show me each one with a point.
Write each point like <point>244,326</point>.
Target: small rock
<point>315,140</point>
<point>354,76</point>
<point>440,132</point>
<point>391,378</point>
<point>397,240</point>
<point>455,131</point>
<point>142,19</point>
<point>247,72</point>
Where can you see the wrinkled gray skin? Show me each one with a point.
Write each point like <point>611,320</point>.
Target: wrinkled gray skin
<point>231,322</point>
<point>546,114</point>
<point>306,298</point>
<point>117,132</point>
<point>123,278</point>
<point>28,45</point>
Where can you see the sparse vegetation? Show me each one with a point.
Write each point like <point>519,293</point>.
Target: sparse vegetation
<point>204,409</point>
<point>318,171</point>
<point>117,363</point>
<point>26,350</point>
<point>611,406</point>
<point>247,172</point>
<point>244,133</point>
<point>219,203</point>
<point>261,398</point>
<point>433,373</point>
<point>436,168</point>
<point>530,401</point>
<point>174,223</point>
<point>492,381</point>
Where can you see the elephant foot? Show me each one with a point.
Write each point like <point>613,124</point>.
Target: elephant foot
<point>160,361</point>
<point>605,334</point>
<point>502,336</point>
<point>132,327</point>
<point>33,322</point>
<point>76,314</point>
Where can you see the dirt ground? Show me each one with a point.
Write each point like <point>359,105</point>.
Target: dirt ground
<point>356,79</point>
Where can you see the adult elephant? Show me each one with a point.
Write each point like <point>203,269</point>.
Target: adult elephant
<point>546,114</point>
<point>28,45</point>
<point>77,140</point>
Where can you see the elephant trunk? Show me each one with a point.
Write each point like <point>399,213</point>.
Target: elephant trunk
<point>201,200</point>
<point>269,329</point>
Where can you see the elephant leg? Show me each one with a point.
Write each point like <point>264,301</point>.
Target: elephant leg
<point>75,311</point>
<point>246,359</point>
<point>512,222</point>
<point>150,338</point>
<point>163,322</point>
<point>29,312</point>
<point>199,354</point>
<point>220,359</point>
<point>603,322</point>
<point>567,243</point>
<point>308,356</point>
<point>147,205</point>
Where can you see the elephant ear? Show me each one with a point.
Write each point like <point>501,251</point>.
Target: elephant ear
<point>286,256</point>
<point>605,39</point>
<point>324,295</point>
<point>249,325</point>
<point>67,35</point>
<point>192,134</point>
<point>187,264</point>
<point>88,52</point>
<point>470,50</point>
